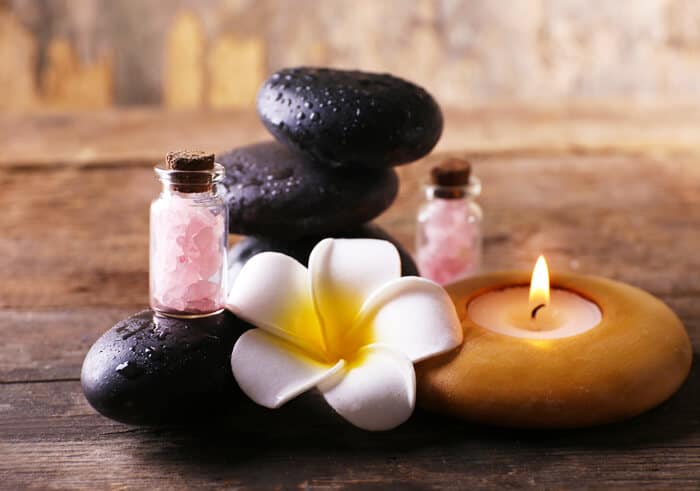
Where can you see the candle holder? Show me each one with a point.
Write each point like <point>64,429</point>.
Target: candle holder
<point>636,357</point>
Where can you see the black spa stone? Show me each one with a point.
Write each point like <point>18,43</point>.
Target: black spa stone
<point>156,370</point>
<point>350,118</point>
<point>301,249</point>
<point>276,192</point>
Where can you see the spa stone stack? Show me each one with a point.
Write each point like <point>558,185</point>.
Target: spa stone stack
<point>330,171</point>
<point>328,174</point>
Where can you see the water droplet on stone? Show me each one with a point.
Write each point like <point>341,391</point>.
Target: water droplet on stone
<point>308,105</point>
<point>129,370</point>
<point>300,115</point>
<point>279,96</point>
<point>313,116</point>
<point>153,353</point>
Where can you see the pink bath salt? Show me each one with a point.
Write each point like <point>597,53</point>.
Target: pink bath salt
<point>451,241</point>
<point>206,253</point>
<point>186,256</point>
<point>201,296</point>
<point>444,269</point>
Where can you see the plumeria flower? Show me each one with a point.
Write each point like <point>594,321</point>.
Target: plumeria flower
<point>349,325</point>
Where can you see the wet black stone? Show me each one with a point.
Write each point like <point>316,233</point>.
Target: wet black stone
<point>301,249</point>
<point>350,118</point>
<point>276,192</point>
<point>156,370</point>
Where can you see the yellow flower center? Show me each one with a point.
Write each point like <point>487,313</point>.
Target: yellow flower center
<point>328,336</point>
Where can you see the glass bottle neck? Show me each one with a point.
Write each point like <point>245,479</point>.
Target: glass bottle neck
<point>190,183</point>
<point>173,189</point>
<point>467,192</point>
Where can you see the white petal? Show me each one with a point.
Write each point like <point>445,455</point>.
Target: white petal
<point>344,272</point>
<point>273,292</point>
<point>272,371</point>
<point>412,315</point>
<point>375,392</point>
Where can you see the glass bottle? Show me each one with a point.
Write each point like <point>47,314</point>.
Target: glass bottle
<point>448,231</point>
<point>188,237</point>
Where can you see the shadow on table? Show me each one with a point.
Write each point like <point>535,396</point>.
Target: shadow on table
<point>307,427</point>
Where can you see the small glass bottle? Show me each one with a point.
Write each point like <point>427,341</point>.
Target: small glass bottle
<point>189,232</point>
<point>448,231</point>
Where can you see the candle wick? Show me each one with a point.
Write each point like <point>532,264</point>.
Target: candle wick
<point>534,311</point>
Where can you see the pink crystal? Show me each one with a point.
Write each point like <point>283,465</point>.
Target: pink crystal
<point>450,245</point>
<point>187,256</point>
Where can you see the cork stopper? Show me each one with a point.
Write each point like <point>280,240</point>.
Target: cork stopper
<point>451,172</point>
<point>450,178</point>
<point>190,168</point>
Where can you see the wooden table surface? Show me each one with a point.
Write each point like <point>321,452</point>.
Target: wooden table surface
<point>605,190</point>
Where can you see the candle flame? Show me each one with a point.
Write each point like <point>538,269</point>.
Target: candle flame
<point>539,286</point>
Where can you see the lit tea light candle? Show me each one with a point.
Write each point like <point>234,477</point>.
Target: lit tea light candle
<point>587,351</point>
<point>535,313</point>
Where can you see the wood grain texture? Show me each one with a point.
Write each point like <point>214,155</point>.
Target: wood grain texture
<point>73,260</point>
<point>95,252</point>
<point>50,344</point>
<point>143,136</point>
<point>54,438</point>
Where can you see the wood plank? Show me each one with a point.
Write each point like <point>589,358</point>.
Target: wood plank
<point>142,136</point>
<point>124,137</point>
<point>643,234</point>
<point>50,436</point>
<point>79,238</point>
<point>73,254</point>
<point>50,345</point>
<point>630,218</point>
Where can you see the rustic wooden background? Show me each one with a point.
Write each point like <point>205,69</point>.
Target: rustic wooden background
<point>582,118</point>
<point>86,54</point>
<point>598,190</point>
